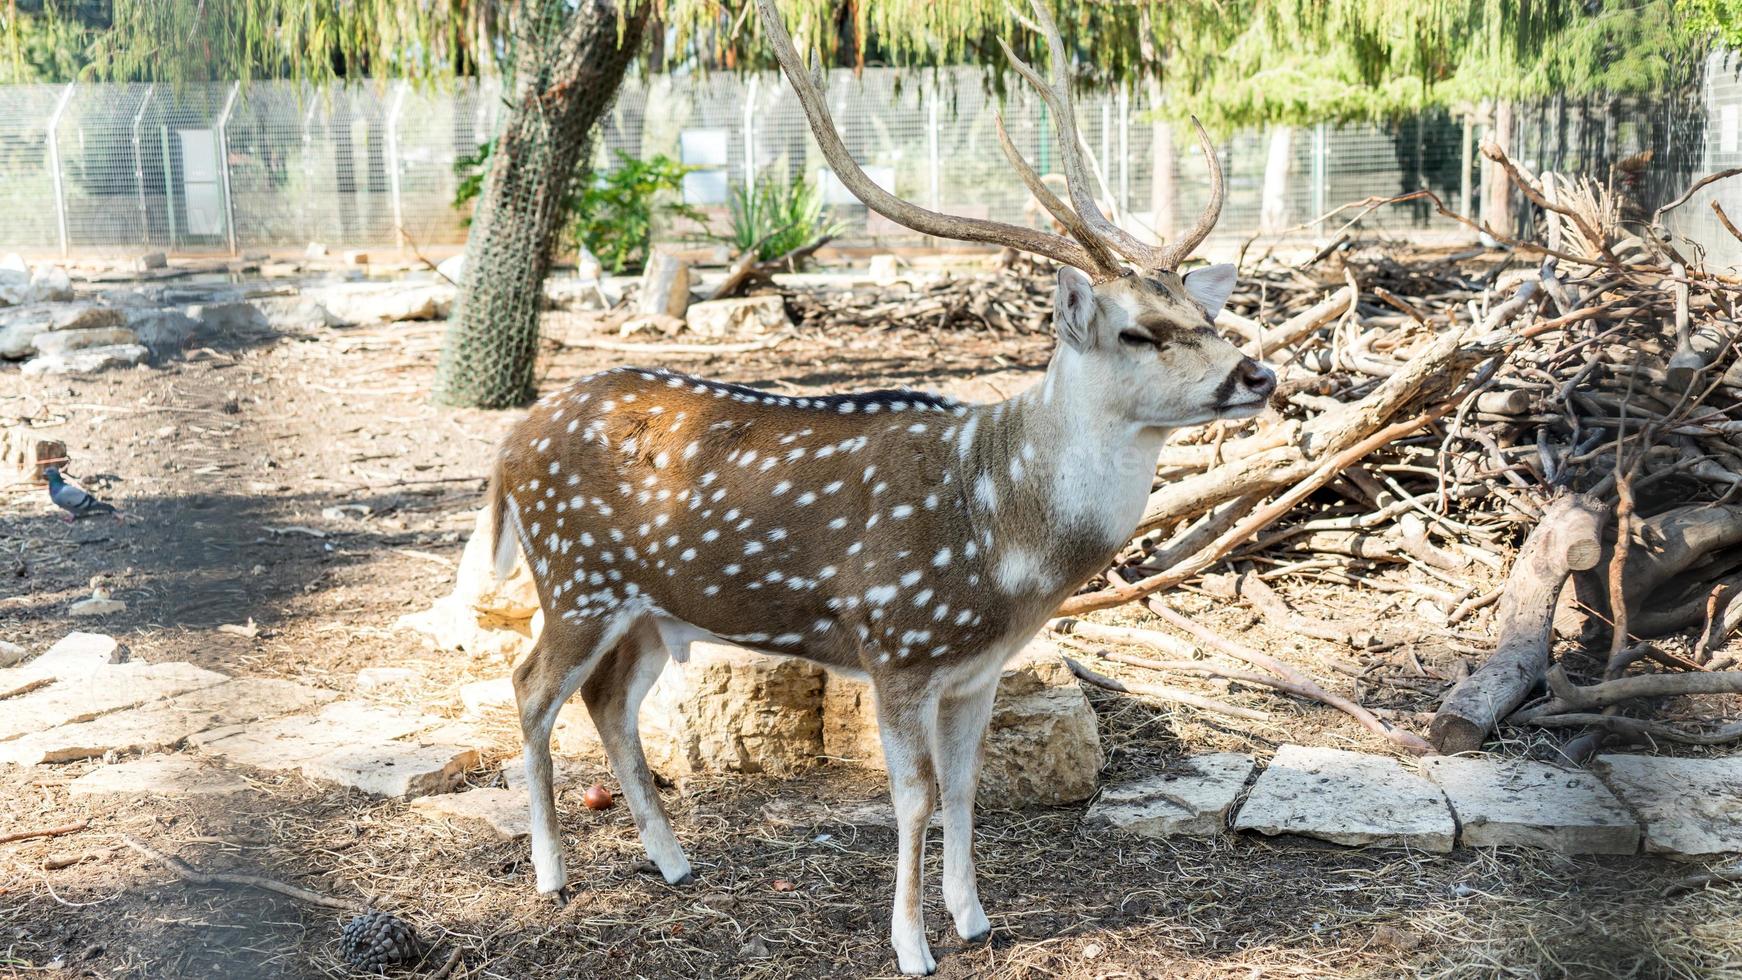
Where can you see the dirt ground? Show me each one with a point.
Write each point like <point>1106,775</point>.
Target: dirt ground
<point>224,460</point>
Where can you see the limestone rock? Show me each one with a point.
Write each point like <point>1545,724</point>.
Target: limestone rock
<point>728,317</point>
<point>665,286</point>
<point>73,656</point>
<point>1514,803</point>
<point>87,361</point>
<point>504,811</point>
<point>727,709</point>
<point>1690,807</point>
<point>575,295</point>
<point>483,697</point>
<point>96,605</point>
<point>884,268</point>
<point>10,654</point>
<point>1191,797</point>
<point>453,269</point>
<point>481,615</point>
<point>1043,744</point>
<point>1347,798</point>
<point>51,284</point>
<point>152,261</point>
<point>175,776</point>
<point>21,326</point>
<point>288,742</point>
<point>164,723</point>
<point>112,688</point>
<point>393,769</point>
<point>163,331</point>
<point>353,304</point>
<point>14,271</point>
<point>315,250</point>
<point>356,257</point>
<point>61,342</point>
<point>228,318</point>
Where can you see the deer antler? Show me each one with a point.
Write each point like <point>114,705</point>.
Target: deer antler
<point>1086,253</point>
<point>1057,95</point>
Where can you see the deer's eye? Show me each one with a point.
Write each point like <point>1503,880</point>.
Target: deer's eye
<point>1135,339</point>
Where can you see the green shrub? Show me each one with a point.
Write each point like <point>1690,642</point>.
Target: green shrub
<point>779,217</point>
<point>613,215</point>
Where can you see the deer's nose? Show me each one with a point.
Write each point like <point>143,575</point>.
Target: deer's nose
<point>1258,378</point>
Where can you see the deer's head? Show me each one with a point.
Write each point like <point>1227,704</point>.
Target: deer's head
<point>1133,333</point>
<point>1144,346</point>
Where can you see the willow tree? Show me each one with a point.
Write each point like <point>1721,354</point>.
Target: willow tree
<point>1298,62</point>
<point>562,62</point>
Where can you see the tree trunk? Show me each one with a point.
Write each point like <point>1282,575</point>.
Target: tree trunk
<point>1273,206</point>
<point>1496,186</point>
<point>568,68</point>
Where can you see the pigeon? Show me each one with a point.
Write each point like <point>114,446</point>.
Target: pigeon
<point>76,502</point>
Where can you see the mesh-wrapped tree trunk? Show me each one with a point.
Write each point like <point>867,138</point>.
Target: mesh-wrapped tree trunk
<point>569,62</point>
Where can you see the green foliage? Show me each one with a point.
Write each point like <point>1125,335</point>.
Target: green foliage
<point>616,214</point>
<point>1720,20</point>
<point>779,217</point>
<point>613,214</point>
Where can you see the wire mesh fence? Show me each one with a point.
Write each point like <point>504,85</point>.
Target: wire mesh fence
<point>223,167</point>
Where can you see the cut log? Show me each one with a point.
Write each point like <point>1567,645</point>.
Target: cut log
<point>1569,538</point>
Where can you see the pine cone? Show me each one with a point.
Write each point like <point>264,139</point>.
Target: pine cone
<point>376,940</point>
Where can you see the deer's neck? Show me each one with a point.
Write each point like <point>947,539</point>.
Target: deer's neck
<point>1055,479</point>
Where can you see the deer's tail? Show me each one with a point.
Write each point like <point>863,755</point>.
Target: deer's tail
<point>501,515</point>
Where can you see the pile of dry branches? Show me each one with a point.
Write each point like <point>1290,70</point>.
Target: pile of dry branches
<point>1580,391</point>
<point>1006,303</point>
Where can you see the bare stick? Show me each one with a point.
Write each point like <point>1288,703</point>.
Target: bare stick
<point>1700,881</point>
<point>767,343</point>
<point>1569,696</point>
<point>1308,686</point>
<point>189,873</point>
<point>1635,728</point>
<point>1165,693</point>
<point>71,828</point>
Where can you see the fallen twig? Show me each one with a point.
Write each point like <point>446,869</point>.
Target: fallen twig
<point>70,828</point>
<point>189,873</point>
<point>1165,693</point>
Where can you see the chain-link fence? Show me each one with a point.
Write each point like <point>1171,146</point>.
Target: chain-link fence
<point>225,167</point>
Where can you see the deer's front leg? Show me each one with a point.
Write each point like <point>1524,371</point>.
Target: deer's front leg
<point>959,747</point>
<point>905,729</point>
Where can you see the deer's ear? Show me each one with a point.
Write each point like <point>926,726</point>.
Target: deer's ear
<point>1210,287</point>
<point>1073,307</point>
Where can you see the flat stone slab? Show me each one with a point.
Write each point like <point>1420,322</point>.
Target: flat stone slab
<point>107,689</point>
<point>395,769</point>
<point>173,776</point>
<point>164,724</point>
<point>1512,803</point>
<point>563,772</point>
<point>74,655</point>
<point>483,697</point>
<point>291,741</point>
<point>503,811</point>
<point>1347,798</point>
<point>1191,797</point>
<point>1690,807</point>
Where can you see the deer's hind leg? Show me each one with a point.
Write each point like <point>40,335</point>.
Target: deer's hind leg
<point>566,652</point>
<point>613,695</point>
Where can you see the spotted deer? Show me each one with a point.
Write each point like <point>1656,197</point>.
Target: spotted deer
<point>894,536</point>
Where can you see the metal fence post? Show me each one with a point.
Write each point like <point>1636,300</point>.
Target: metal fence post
<point>393,192</point>
<point>224,166</point>
<point>931,150</point>
<point>60,194</point>
<point>750,133</point>
<point>1464,161</point>
<point>1321,169</point>
<point>139,166</point>
<point>1125,150</point>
